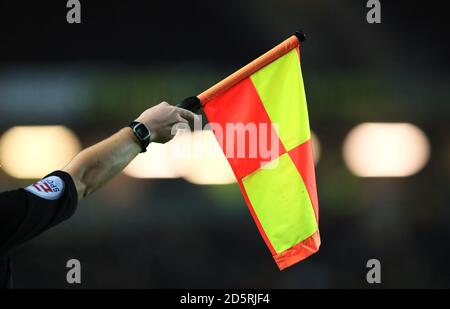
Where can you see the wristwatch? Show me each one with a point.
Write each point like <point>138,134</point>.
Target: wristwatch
<point>142,133</point>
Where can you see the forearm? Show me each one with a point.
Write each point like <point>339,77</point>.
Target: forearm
<point>95,165</point>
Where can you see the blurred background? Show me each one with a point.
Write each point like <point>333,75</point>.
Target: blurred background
<point>378,99</point>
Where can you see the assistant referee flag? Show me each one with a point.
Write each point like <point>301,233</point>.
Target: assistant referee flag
<point>280,192</point>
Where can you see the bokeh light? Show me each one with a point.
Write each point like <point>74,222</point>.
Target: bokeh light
<point>195,156</point>
<point>31,152</point>
<point>155,163</point>
<point>316,148</point>
<point>386,150</point>
<point>203,161</point>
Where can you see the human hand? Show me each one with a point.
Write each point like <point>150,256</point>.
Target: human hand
<point>161,119</point>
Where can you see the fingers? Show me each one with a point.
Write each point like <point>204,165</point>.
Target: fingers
<point>164,119</point>
<point>188,115</point>
<point>180,119</point>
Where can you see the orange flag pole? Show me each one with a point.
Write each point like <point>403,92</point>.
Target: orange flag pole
<point>193,103</point>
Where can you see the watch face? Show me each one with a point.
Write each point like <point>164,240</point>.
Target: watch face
<point>142,131</point>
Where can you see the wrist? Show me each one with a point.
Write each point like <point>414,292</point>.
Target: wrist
<point>142,134</point>
<point>128,133</point>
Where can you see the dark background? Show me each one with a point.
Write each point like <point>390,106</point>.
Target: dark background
<point>127,55</point>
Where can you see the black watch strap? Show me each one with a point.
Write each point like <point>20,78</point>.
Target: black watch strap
<point>142,133</point>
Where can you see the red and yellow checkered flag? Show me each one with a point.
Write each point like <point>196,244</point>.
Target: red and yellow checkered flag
<point>280,191</point>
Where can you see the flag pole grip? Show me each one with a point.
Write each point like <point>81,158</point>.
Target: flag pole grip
<point>191,103</point>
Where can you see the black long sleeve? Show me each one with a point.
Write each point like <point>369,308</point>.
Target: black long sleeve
<point>26,213</point>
